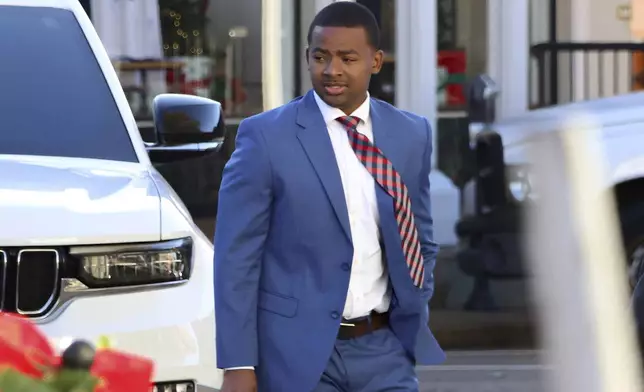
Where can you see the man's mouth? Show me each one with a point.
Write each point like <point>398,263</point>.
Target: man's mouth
<point>334,89</point>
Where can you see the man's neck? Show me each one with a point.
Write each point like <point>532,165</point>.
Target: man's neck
<point>349,110</point>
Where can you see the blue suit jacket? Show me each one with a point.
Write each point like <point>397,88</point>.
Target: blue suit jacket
<point>283,247</point>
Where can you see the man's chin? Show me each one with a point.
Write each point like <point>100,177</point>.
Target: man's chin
<point>337,101</point>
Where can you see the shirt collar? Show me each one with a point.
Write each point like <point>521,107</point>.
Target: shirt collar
<point>330,114</point>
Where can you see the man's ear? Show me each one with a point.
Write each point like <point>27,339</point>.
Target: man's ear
<point>306,54</point>
<point>378,59</point>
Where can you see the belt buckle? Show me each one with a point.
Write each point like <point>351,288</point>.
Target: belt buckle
<point>349,324</point>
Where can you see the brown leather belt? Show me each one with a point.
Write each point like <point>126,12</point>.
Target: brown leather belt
<point>351,329</point>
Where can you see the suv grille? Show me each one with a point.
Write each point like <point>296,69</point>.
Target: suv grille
<point>29,280</point>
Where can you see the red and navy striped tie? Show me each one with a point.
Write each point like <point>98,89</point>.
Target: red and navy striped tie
<point>388,178</point>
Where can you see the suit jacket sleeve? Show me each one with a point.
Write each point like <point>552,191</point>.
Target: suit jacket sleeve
<point>423,216</point>
<point>244,210</point>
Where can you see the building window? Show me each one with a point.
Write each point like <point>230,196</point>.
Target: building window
<point>209,48</point>
<point>183,24</point>
<point>219,44</point>
<point>185,40</point>
<point>462,48</point>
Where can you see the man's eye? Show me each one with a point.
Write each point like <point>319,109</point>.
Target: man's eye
<point>348,60</point>
<point>318,58</point>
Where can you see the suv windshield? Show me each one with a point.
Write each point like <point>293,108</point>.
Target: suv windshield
<point>54,99</point>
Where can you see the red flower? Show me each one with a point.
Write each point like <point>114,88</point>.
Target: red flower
<point>122,372</point>
<point>23,347</point>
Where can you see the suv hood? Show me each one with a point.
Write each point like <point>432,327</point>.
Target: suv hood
<point>69,201</point>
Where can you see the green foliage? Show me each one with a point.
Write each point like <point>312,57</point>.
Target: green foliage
<point>12,381</point>
<point>72,376</point>
<point>63,380</point>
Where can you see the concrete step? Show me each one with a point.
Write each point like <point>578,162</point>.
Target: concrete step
<point>465,330</point>
<point>486,371</point>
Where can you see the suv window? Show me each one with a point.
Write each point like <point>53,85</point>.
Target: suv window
<point>54,99</point>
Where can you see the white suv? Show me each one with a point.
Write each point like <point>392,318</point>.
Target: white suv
<point>93,240</point>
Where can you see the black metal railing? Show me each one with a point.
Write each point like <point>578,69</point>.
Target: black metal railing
<point>563,72</point>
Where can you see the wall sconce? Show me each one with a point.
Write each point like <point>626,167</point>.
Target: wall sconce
<point>623,12</point>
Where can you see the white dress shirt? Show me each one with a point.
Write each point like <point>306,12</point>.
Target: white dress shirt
<point>368,285</point>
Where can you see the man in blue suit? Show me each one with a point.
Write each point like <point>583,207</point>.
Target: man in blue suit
<point>324,246</point>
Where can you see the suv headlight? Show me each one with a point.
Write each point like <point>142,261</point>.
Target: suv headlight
<point>519,181</point>
<point>105,266</point>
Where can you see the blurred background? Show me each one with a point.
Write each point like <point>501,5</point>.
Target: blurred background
<point>541,59</point>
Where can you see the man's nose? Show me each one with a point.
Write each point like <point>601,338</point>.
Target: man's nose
<point>333,67</point>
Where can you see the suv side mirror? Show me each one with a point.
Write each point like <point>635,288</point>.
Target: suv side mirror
<point>191,150</point>
<point>180,119</point>
<point>481,100</point>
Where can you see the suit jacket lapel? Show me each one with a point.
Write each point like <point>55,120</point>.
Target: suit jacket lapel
<point>314,137</point>
<point>383,134</point>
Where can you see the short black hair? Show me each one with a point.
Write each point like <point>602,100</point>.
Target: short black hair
<point>347,14</point>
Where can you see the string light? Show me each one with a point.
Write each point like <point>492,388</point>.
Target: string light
<point>190,43</point>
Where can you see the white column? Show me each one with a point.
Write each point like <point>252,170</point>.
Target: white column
<point>416,59</point>
<point>539,22</point>
<point>288,50</point>
<point>272,87</point>
<point>319,4</point>
<point>580,16</point>
<point>508,54</point>
<point>308,11</point>
<point>416,90</point>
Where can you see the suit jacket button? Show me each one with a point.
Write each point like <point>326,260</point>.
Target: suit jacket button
<point>345,266</point>
<point>335,315</point>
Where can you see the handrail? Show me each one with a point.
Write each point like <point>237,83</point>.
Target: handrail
<point>588,67</point>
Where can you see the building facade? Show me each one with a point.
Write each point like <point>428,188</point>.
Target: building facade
<point>249,54</point>
<point>264,40</point>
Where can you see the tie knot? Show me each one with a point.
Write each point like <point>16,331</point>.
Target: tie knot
<point>349,122</point>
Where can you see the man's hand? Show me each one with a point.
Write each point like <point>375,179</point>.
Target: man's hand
<point>241,380</point>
